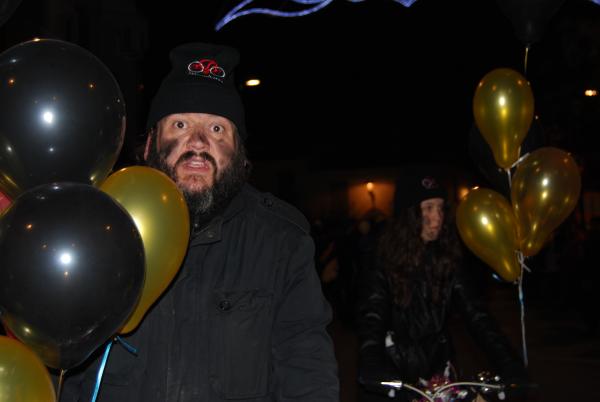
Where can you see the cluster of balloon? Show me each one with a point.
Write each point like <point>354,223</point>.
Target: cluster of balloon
<point>80,264</point>
<point>64,116</point>
<point>543,192</point>
<point>23,377</point>
<point>73,260</point>
<point>72,270</point>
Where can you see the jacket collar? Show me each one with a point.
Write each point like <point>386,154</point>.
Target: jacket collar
<point>211,231</point>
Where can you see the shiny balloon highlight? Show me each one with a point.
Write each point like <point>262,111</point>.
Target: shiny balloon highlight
<point>503,109</point>
<point>161,216</point>
<point>487,225</point>
<point>72,270</point>
<point>545,190</point>
<point>63,116</point>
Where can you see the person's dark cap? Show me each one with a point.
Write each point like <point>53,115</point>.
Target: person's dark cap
<point>200,81</point>
<point>413,187</point>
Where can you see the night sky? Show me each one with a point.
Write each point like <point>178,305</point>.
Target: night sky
<point>357,84</point>
<point>375,83</point>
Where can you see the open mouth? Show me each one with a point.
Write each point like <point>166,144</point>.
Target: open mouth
<point>196,162</point>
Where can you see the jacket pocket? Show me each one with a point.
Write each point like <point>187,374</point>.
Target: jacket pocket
<point>240,343</point>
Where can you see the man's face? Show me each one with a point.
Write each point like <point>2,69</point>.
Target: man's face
<point>432,211</point>
<point>197,147</point>
<point>199,152</point>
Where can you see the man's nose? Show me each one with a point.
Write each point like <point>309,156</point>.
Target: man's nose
<point>197,139</point>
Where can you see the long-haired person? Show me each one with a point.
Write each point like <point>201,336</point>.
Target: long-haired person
<point>408,294</point>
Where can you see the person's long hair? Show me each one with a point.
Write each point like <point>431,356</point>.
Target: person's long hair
<point>400,252</point>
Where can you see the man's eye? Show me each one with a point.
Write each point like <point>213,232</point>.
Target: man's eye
<point>179,124</point>
<point>217,129</point>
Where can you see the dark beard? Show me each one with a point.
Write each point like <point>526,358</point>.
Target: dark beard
<point>207,203</point>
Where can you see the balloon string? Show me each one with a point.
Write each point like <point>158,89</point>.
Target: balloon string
<point>522,302</point>
<point>508,170</point>
<point>127,346</point>
<point>523,269</point>
<point>522,262</point>
<point>521,159</point>
<point>526,58</point>
<point>61,380</point>
<point>101,371</point>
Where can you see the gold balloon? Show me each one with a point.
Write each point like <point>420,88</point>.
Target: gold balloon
<point>544,191</point>
<point>161,216</point>
<point>487,226</point>
<point>503,109</point>
<point>23,376</point>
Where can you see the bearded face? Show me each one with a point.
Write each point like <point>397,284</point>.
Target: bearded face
<point>203,155</point>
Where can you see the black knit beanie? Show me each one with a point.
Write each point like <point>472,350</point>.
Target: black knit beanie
<point>415,186</point>
<point>200,81</point>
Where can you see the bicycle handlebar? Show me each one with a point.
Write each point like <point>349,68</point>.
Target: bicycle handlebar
<point>461,389</point>
<point>431,396</point>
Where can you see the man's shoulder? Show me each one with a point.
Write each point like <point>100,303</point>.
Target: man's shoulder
<point>275,209</point>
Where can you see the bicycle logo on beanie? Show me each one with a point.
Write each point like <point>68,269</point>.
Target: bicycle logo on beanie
<point>429,183</point>
<point>207,68</point>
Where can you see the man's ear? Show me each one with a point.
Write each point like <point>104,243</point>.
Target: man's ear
<point>148,144</point>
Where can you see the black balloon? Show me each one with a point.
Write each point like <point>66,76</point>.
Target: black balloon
<point>72,270</point>
<point>482,155</point>
<point>62,116</point>
<point>529,17</point>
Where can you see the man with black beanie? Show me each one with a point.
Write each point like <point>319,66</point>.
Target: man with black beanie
<point>245,318</point>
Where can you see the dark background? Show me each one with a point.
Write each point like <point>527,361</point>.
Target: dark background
<point>357,92</point>
<point>355,85</point>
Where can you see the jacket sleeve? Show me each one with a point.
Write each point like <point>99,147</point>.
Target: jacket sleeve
<point>305,368</point>
<point>374,321</point>
<point>486,331</point>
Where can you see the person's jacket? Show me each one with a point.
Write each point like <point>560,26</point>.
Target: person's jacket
<point>412,342</point>
<point>244,320</point>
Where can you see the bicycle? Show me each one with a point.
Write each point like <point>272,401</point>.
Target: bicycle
<point>441,389</point>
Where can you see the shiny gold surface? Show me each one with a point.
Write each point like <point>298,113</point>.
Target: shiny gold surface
<point>487,226</point>
<point>161,216</point>
<point>544,191</point>
<point>23,376</point>
<point>503,109</point>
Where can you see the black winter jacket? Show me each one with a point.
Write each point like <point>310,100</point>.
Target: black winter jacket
<point>421,342</point>
<point>244,320</point>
